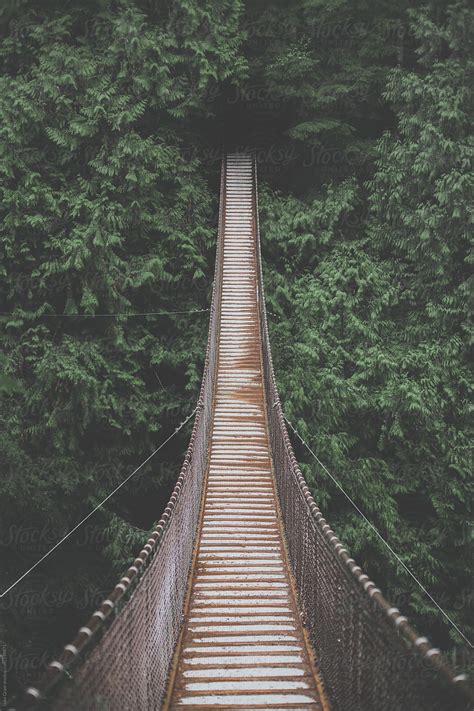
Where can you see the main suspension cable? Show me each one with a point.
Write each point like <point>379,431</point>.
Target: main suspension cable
<point>375,530</point>
<point>46,555</point>
<point>112,313</point>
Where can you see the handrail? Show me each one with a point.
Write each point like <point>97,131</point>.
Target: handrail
<point>429,656</point>
<point>101,620</point>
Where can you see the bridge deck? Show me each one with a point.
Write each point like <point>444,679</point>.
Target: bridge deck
<point>243,644</point>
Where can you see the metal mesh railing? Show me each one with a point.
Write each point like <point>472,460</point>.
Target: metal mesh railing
<point>370,658</point>
<point>121,658</point>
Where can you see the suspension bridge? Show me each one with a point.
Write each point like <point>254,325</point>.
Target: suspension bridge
<point>243,597</point>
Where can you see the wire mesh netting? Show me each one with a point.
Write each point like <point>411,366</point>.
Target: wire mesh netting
<point>370,657</point>
<point>127,667</point>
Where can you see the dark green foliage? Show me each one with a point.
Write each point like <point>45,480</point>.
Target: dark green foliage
<point>326,63</point>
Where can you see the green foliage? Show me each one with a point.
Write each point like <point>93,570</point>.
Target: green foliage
<point>326,63</point>
<point>104,213</point>
<point>7,383</point>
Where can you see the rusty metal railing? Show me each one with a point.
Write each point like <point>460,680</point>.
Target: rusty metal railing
<point>120,658</point>
<point>371,658</point>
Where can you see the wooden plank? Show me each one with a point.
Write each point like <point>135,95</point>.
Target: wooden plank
<point>243,644</point>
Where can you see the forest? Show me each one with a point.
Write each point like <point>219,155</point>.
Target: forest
<point>114,114</point>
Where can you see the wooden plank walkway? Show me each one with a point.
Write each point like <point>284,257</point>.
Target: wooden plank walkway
<point>243,645</point>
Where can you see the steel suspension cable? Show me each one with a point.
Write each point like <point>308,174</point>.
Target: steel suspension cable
<point>99,505</point>
<point>112,313</point>
<point>378,534</point>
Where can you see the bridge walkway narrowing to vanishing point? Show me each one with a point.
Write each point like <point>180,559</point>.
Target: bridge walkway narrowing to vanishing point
<point>243,643</point>
<point>243,597</point>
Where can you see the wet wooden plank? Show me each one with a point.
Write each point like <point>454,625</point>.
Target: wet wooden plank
<point>243,644</point>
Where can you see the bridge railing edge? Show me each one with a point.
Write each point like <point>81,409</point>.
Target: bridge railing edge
<point>419,644</point>
<point>108,611</point>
